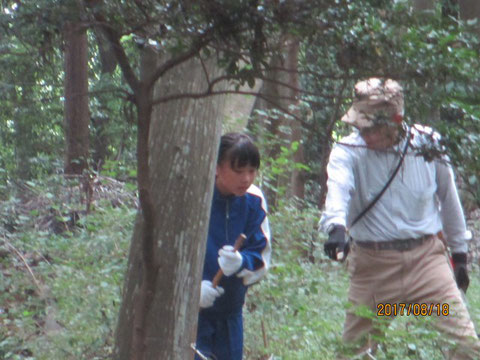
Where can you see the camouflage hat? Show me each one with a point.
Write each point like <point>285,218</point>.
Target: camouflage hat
<point>376,101</point>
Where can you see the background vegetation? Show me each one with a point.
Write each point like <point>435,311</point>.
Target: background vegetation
<point>64,240</point>
<point>61,282</point>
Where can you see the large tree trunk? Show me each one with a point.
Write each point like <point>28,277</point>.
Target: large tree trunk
<point>183,145</point>
<point>77,114</point>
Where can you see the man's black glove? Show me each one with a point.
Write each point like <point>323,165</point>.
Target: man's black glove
<point>460,270</point>
<point>336,243</point>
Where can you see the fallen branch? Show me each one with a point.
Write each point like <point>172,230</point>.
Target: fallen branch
<point>19,254</point>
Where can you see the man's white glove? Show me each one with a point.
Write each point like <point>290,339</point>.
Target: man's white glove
<point>208,294</point>
<point>229,260</point>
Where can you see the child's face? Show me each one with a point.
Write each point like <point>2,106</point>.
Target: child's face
<point>234,181</point>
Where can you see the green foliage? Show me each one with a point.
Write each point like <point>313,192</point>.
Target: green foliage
<point>277,154</point>
<point>120,170</point>
<point>64,269</point>
<point>60,288</point>
<point>460,130</point>
<point>299,307</point>
<point>31,130</point>
<point>297,312</point>
<point>436,60</point>
<point>31,90</point>
<point>283,164</point>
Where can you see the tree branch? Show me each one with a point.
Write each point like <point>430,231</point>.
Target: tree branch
<point>174,61</point>
<point>208,92</point>
<point>123,61</point>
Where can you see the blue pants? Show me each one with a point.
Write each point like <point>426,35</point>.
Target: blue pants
<point>220,336</point>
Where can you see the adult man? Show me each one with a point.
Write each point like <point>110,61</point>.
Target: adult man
<point>395,203</point>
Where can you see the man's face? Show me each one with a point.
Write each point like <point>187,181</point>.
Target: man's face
<point>380,137</point>
<point>234,181</point>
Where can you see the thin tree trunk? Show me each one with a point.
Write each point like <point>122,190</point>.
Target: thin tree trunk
<point>297,179</point>
<point>268,128</point>
<point>280,92</point>
<point>100,141</point>
<point>326,146</point>
<point>23,131</point>
<point>77,114</point>
<point>470,9</point>
<point>420,5</point>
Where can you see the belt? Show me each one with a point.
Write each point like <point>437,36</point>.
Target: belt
<point>397,244</point>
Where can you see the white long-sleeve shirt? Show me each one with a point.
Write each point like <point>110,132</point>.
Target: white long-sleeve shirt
<point>422,199</point>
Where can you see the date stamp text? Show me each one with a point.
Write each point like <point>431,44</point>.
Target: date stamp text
<point>415,309</point>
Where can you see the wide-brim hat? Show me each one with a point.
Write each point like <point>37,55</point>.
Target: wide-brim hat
<point>376,101</point>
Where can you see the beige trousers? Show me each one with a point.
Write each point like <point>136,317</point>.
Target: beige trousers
<point>418,282</point>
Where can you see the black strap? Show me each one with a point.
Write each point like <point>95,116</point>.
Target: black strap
<point>379,195</point>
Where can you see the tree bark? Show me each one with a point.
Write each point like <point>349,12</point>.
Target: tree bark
<point>279,92</point>
<point>23,135</point>
<point>99,146</point>
<point>183,143</point>
<point>470,9</point>
<point>326,144</point>
<point>77,113</point>
<point>297,179</point>
<point>420,5</point>
<point>450,8</point>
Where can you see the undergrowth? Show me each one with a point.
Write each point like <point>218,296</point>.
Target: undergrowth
<point>61,273</point>
<point>297,312</point>
<point>60,282</point>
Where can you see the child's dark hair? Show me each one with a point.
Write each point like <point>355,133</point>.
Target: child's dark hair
<point>239,149</point>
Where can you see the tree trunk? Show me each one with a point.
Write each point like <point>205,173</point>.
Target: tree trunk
<point>297,179</point>
<point>100,141</point>
<point>450,8</point>
<point>267,128</point>
<point>279,93</point>
<point>470,9</point>
<point>107,56</point>
<point>23,135</point>
<point>420,5</point>
<point>77,114</point>
<point>326,143</point>
<point>183,143</point>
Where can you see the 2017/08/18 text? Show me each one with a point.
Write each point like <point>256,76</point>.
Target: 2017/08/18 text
<point>415,309</point>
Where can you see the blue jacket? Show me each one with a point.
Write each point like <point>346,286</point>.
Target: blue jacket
<point>230,216</point>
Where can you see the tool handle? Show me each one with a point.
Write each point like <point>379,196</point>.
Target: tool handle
<point>236,246</point>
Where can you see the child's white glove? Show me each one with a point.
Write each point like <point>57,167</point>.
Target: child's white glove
<point>208,293</point>
<point>229,260</point>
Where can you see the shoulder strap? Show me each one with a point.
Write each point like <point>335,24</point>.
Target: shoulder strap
<point>379,195</point>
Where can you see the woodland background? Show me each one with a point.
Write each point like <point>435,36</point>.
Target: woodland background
<point>110,115</point>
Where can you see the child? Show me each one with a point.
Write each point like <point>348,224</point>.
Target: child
<point>238,207</point>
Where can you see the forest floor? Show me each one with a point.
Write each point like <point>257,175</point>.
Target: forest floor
<point>63,251</point>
